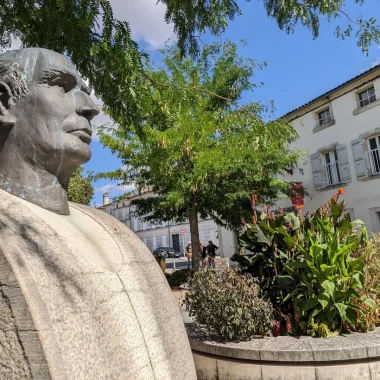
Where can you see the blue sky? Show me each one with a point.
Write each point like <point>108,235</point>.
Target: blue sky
<point>299,68</point>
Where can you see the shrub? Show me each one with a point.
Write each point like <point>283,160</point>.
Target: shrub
<point>305,267</point>
<point>178,277</point>
<point>227,303</point>
<point>371,283</point>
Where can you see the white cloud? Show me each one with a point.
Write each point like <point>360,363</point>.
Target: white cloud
<point>146,18</point>
<point>114,186</point>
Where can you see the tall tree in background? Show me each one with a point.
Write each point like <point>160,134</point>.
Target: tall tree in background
<point>104,52</point>
<point>203,153</point>
<point>80,189</point>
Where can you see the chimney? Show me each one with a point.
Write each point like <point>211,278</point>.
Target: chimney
<point>106,199</point>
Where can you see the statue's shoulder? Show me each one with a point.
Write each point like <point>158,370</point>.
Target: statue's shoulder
<point>109,222</point>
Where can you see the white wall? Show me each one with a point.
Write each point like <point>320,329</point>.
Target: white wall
<point>362,197</point>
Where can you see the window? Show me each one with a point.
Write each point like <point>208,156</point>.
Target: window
<point>324,117</point>
<point>332,168</point>
<point>374,154</point>
<point>367,97</point>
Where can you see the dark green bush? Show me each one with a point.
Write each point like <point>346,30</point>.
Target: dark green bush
<point>227,303</point>
<point>309,268</point>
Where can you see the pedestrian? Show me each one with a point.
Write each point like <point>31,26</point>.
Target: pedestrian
<point>211,250</point>
<point>189,254</point>
<point>204,255</point>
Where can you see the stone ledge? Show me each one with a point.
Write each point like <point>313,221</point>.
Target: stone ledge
<point>345,347</point>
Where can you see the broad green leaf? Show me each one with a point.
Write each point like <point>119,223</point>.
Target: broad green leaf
<point>285,281</point>
<point>341,309</point>
<point>329,286</point>
<point>335,209</point>
<point>327,269</point>
<point>345,250</point>
<point>310,303</point>
<point>323,300</point>
<point>260,236</point>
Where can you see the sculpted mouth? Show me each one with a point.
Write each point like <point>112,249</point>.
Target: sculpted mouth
<point>83,134</point>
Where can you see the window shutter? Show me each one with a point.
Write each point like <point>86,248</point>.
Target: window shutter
<point>316,165</point>
<point>344,166</point>
<point>359,159</point>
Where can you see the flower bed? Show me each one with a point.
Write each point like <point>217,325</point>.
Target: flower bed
<point>348,356</point>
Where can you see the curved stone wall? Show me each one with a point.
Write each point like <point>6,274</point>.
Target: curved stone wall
<point>348,356</point>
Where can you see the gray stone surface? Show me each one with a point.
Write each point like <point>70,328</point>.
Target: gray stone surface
<point>346,347</point>
<point>100,304</point>
<point>81,297</point>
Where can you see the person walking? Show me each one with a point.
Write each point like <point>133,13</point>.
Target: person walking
<point>204,255</point>
<point>211,250</point>
<point>189,254</point>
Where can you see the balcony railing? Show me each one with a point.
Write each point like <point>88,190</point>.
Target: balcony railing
<point>374,159</point>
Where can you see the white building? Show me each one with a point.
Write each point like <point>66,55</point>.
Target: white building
<point>341,131</point>
<point>158,235</point>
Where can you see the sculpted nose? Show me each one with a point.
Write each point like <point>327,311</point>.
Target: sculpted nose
<point>85,106</point>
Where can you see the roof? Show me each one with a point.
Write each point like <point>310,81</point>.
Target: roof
<point>362,75</point>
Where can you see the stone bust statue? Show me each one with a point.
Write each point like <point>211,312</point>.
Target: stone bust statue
<point>81,297</point>
<point>45,130</point>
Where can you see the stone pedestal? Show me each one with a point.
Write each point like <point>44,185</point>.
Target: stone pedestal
<point>82,298</point>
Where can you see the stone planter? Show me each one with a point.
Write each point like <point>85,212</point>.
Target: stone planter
<point>350,356</point>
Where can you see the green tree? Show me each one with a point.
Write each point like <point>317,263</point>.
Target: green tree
<point>203,153</point>
<point>80,189</point>
<point>104,52</point>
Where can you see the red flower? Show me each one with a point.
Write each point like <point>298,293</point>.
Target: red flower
<point>276,328</point>
<point>341,191</point>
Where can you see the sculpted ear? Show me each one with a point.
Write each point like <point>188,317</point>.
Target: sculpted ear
<point>7,119</point>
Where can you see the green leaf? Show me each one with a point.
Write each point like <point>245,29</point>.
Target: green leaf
<point>329,286</point>
<point>285,281</point>
<point>324,300</point>
<point>260,236</point>
<point>310,303</point>
<point>335,208</point>
<point>291,294</point>
<point>327,269</point>
<point>341,309</point>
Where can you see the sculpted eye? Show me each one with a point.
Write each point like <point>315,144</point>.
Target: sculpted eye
<point>65,82</point>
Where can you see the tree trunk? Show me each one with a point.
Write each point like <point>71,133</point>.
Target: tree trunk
<point>196,254</point>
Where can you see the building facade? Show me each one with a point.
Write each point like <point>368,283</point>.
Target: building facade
<point>340,130</point>
<point>165,234</point>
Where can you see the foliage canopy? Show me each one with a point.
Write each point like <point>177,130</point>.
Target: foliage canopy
<point>80,189</point>
<point>103,50</point>
<point>201,152</point>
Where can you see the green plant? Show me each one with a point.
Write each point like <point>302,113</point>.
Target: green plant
<point>310,268</point>
<point>178,277</point>
<point>328,278</point>
<point>371,283</point>
<point>272,240</point>
<point>227,303</point>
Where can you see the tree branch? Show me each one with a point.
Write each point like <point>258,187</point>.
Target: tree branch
<point>243,108</point>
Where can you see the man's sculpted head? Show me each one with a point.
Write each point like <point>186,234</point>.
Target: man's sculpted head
<point>45,130</point>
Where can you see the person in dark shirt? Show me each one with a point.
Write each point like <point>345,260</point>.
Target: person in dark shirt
<point>211,250</point>
<point>204,255</point>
